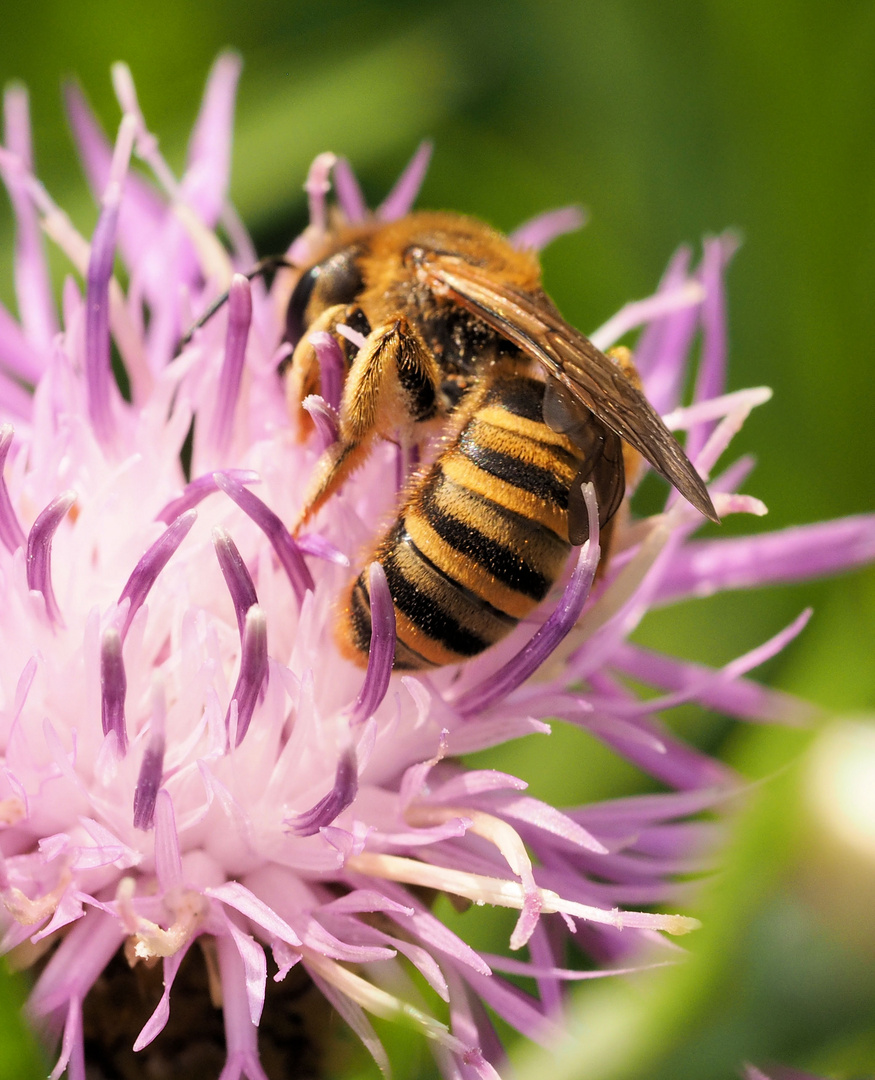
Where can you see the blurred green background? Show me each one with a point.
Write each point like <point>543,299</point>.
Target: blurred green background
<point>668,121</point>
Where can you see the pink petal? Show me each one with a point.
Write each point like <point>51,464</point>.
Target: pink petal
<point>542,230</point>
<point>33,287</point>
<point>142,212</point>
<point>158,1020</point>
<point>349,194</point>
<point>401,198</point>
<point>704,567</point>
<point>207,173</point>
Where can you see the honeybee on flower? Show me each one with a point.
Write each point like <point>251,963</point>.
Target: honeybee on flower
<point>190,766</point>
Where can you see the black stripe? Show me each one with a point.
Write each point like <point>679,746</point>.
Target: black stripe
<point>400,536</point>
<point>519,395</point>
<point>360,615</point>
<point>482,432</point>
<point>406,658</point>
<point>513,470</point>
<point>423,612</point>
<point>502,562</point>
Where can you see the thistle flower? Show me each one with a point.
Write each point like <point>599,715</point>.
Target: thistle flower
<point>187,761</point>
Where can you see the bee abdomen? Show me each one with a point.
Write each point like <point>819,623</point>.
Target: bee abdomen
<point>482,537</point>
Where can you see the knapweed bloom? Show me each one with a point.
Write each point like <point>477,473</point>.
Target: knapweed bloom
<point>190,767</point>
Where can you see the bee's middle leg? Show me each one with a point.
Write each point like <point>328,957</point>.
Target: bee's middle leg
<point>391,388</point>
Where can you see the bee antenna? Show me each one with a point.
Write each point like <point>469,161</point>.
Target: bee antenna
<point>267,265</point>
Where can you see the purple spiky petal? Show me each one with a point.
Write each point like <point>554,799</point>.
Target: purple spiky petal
<point>33,287</point>
<point>401,198</point>
<point>253,672</point>
<point>325,420</point>
<point>190,839</point>
<point>342,795</point>
<point>11,532</point>
<point>39,552</point>
<point>208,164</point>
<point>236,576</point>
<point>286,549</point>
<point>19,358</point>
<point>711,376</point>
<point>197,490</point>
<point>141,213</point>
<point>98,370</point>
<point>151,767</point>
<point>667,339</point>
<point>687,296</point>
<point>356,337</point>
<point>113,687</point>
<point>71,971</point>
<point>332,367</point>
<point>349,193</point>
<point>705,567</point>
<point>318,546</point>
<point>381,654</point>
<point>317,186</point>
<point>542,230</point>
<point>152,563</point>
<point>733,697</point>
<point>239,321</point>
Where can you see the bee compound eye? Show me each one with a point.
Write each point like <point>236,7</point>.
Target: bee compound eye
<point>296,320</point>
<point>340,279</point>
<point>335,280</point>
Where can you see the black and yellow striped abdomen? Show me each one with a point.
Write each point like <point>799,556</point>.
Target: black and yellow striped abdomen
<point>481,538</point>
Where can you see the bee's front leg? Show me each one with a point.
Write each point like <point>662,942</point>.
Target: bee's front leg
<point>302,372</point>
<point>392,387</point>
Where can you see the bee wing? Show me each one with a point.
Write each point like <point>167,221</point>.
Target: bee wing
<point>607,472</point>
<point>602,461</point>
<point>534,325</point>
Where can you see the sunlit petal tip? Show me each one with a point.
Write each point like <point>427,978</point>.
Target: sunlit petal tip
<point>332,367</point>
<point>253,672</point>
<point>39,551</point>
<point>237,577</point>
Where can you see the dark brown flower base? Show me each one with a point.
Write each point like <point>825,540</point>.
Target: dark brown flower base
<point>293,1028</point>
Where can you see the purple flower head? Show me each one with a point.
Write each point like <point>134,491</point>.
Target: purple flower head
<point>187,758</point>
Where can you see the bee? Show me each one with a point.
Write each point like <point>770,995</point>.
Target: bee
<point>462,348</point>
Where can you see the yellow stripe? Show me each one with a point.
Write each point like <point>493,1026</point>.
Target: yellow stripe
<point>563,465</point>
<point>441,594</point>
<point>466,474</point>
<point>470,574</point>
<point>498,417</point>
